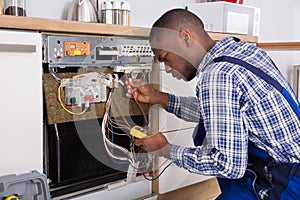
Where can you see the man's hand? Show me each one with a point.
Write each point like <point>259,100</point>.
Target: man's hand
<point>144,92</point>
<point>139,90</point>
<point>156,144</point>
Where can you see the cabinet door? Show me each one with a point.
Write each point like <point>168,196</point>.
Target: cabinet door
<point>171,85</point>
<point>21,102</point>
<point>174,177</point>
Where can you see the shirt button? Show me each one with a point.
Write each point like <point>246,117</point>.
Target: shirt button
<point>213,150</point>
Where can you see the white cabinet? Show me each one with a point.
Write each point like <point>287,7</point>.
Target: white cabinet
<point>171,85</point>
<point>174,177</point>
<point>21,102</point>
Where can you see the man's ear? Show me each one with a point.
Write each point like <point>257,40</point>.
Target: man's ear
<point>186,35</point>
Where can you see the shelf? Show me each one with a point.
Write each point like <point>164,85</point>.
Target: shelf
<point>74,27</point>
<point>277,46</point>
<point>65,26</point>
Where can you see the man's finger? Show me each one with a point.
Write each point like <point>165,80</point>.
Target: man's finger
<point>137,82</point>
<point>129,95</point>
<point>138,142</point>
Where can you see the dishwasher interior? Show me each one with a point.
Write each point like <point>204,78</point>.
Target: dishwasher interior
<point>87,117</point>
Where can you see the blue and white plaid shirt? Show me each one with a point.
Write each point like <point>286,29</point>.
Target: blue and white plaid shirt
<point>236,106</point>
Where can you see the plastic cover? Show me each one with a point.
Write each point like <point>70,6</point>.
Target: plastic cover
<point>29,186</point>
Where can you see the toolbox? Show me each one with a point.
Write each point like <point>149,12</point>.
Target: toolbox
<point>29,186</point>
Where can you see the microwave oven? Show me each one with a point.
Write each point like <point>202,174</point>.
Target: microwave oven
<point>225,17</point>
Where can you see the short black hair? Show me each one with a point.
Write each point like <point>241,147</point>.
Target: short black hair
<point>176,20</point>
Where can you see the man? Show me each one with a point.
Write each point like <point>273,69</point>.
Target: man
<point>250,127</point>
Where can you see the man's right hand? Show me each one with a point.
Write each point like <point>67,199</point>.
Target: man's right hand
<point>144,92</point>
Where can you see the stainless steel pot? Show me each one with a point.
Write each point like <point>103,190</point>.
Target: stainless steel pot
<point>82,10</point>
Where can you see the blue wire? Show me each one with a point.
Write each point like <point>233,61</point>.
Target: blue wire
<point>112,137</point>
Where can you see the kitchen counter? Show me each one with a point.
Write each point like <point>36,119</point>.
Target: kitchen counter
<point>74,27</point>
<point>64,26</point>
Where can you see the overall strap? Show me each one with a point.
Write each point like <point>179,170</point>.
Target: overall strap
<point>294,105</point>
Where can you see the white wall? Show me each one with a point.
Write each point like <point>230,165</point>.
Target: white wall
<point>54,9</point>
<point>279,19</point>
<point>280,23</point>
<point>143,12</point>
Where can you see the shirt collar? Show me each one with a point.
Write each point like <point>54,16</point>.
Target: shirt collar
<point>215,52</point>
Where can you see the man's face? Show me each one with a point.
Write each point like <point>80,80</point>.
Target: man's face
<point>175,64</point>
<point>170,49</point>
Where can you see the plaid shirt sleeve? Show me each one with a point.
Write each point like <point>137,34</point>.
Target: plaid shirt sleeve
<point>186,108</point>
<point>225,154</point>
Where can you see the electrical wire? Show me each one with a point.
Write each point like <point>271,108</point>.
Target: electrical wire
<point>112,130</point>
<point>121,134</point>
<point>63,105</point>
<point>107,142</point>
<point>132,157</point>
<point>157,170</point>
<point>119,125</point>
<point>108,125</point>
<point>52,72</point>
<point>117,106</point>
<point>152,179</point>
<point>136,101</point>
<point>142,110</point>
<point>132,147</point>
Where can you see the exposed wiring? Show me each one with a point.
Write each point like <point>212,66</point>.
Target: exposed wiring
<point>118,125</point>
<point>121,134</point>
<point>63,105</point>
<point>152,179</point>
<point>112,130</point>
<point>109,127</point>
<point>53,73</point>
<point>63,84</point>
<point>136,101</point>
<point>116,105</point>
<point>157,170</point>
<point>142,110</point>
<point>107,142</point>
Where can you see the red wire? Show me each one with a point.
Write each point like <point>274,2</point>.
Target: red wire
<point>108,110</point>
<point>142,110</point>
<point>136,101</point>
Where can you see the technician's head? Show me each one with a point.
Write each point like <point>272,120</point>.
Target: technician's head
<point>179,40</point>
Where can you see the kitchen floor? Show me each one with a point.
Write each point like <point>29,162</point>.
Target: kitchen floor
<point>206,190</point>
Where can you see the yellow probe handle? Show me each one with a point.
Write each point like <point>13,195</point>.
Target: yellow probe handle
<point>138,132</point>
<point>12,197</point>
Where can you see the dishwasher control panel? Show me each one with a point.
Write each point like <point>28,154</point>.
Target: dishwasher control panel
<point>112,51</point>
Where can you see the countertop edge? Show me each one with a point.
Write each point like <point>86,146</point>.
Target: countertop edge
<point>75,27</point>
<point>65,26</point>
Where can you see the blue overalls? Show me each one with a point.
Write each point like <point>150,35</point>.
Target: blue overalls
<point>282,180</point>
